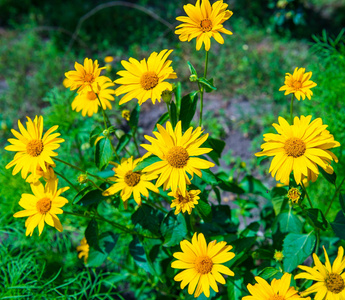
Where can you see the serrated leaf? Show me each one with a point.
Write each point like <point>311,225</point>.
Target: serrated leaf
<point>91,234</point>
<point>208,84</point>
<point>103,153</point>
<point>147,217</point>
<point>296,249</point>
<point>288,222</point>
<point>278,198</point>
<point>146,162</point>
<point>217,147</point>
<point>134,118</point>
<point>204,210</point>
<point>122,143</point>
<point>173,229</point>
<point>329,177</point>
<point>188,108</point>
<point>338,225</point>
<point>317,217</point>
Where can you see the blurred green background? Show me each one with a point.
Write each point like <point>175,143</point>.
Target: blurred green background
<point>39,42</point>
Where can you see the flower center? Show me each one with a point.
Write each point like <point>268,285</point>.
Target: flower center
<point>149,80</point>
<point>203,264</point>
<point>335,283</point>
<point>277,297</point>
<point>34,147</point>
<point>88,78</point>
<point>43,205</point>
<point>294,147</point>
<point>132,178</point>
<point>183,200</point>
<point>297,84</point>
<point>91,95</point>
<point>206,25</point>
<point>177,157</point>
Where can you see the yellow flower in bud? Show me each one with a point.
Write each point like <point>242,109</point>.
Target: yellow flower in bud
<point>294,195</point>
<point>82,178</point>
<point>278,255</point>
<point>126,114</point>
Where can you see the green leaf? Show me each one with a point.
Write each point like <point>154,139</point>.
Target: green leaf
<point>178,97</point>
<point>81,194</point>
<point>91,234</point>
<point>226,185</point>
<point>268,273</point>
<point>342,201</point>
<point>107,242</point>
<point>103,153</point>
<point>95,133</point>
<point>278,198</point>
<point>204,210</point>
<point>217,147</point>
<point>146,162</point>
<point>147,217</point>
<point>90,196</point>
<point>254,186</point>
<point>209,177</point>
<point>173,112</point>
<point>338,225</point>
<point>138,253</point>
<point>288,222</point>
<point>329,177</point>
<point>192,69</point>
<point>164,117</point>
<point>317,218</point>
<point>174,229</point>
<point>124,140</point>
<point>296,249</point>
<point>134,118</point>
<point>188,108</point>
<point>208,84</point>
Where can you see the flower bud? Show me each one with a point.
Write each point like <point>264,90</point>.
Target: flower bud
<point>166,96</point>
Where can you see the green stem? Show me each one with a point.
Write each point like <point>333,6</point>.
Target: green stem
<point>134,131</point>
<point>95,185</point>
<point>70,183</point>
<point>168,107</point>
<point>202,90</point>
<point>317,241</point>
<point>306,193</point>
<point>335,194</point>
<point>162,209</point>
<point>103,112</point>
<point>80,170</point>
<point>291,109</point>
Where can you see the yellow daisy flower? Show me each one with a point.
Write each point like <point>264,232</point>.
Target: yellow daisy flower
<point>126,114</point>
<point>300,148</point>
<point>33,149</point>
<point>278,255</point>
<point>298,83</point>
<point>108,59</point>
<point>83,249</point>
<point>47,175</point>
<point>184,203</point>
<point>84,75</point>
<point>177,152</point>
<point>330,283</point>
<point>203,22</point>
<point>294,195</point>
<point>145,79</point>
<point>279,289</point>
<point>87,101</point>
<point>129,182</point>
<point>42,207</point>
<point>203,264</point>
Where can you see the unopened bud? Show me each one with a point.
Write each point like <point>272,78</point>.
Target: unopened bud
<point>126,114</point>
<point>166,96</point>
<point>193,78</point>
<point>82,178</point>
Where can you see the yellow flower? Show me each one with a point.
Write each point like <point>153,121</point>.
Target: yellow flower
<point>177,152</point>
<point>298,83</point>
<point>82,178</point>
<point>126,114</point>
<point>203,22</point>
<point>83,249</point>
<point>203,264</point>
<point>330,279</point>
<point>300,148</point>
<point>184,203</point>
<point>84,75</point>
<point>42,207</point>
<point>294,195</point>
<point>278,255</point>
<point>33,149</point>
<point>129,182</point>
<point>145,80</point>
<point>47,175</point>
<point>87,101</point>
<point>108,59</point>
<point>279,289</point>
